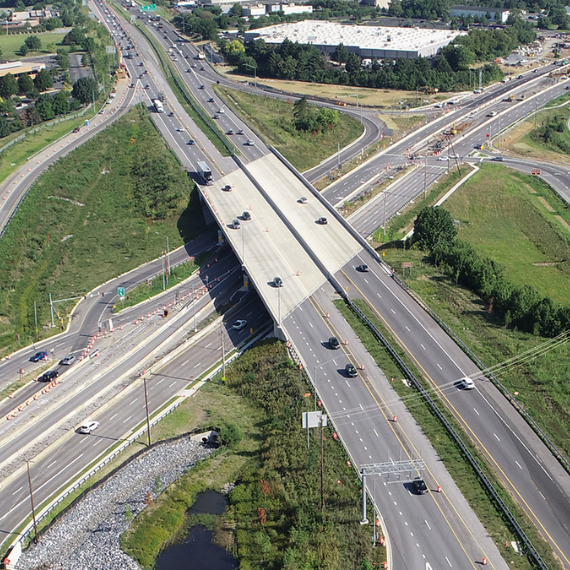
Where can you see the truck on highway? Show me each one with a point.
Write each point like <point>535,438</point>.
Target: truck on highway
<point>200,56</point>
<point>205,173</point>
<point>158,106</point>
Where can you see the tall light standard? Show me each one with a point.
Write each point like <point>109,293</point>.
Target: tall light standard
<point>254,72</point>
<point>167,268</point>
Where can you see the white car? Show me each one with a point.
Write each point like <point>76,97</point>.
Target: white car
<point>467,383</point>
<point>303,200</point>
<point>239,325</point>
<point>250,143</point>
<point>442,158</point>
<point>88,427</point>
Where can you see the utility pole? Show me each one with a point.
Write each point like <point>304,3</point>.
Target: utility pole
<point>147,415</point>
<point>223,351</point>
<point>194,306</point>
<point>322,466</point>
<point>32,501</point>
<point>163,273</point>
<point>338,144</point>
<point>51,307</point>
<point>36,316</point>
<point>425,174</point>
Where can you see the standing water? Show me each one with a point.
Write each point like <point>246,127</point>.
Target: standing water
<point>198,552</point>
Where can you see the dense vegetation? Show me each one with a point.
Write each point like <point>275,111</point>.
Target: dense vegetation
<point>90,217</point>
<point>521,305</point>
<point>89,37</point>
<point>275,507</point>
<point>554,133</point>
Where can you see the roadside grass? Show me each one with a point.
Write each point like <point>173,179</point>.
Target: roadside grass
<point>462,473</point>
<point>263,398</point>
<point>341,93</point>
<point>11,43</point>
<point>81,224</point>
<point>406,123</point>
<point>515,219</point>
<point>157,285</point>
<point>399,226</point>
<point>273,119</point>
<point>541,382</point>
<point>14,156</point>
<point>519,140</point>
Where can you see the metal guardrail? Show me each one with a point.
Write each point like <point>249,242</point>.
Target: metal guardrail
<point>473,462</point>
<point>550,444</point>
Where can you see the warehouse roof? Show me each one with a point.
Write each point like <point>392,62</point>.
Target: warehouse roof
<point>324,33</point>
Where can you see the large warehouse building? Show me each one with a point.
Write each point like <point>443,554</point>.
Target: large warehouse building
<point>366,41</point>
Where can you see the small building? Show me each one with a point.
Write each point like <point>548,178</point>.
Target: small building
<point>31,17</point>
<point>479,13</point>
<point>17,68</point>
<point>253,11</point>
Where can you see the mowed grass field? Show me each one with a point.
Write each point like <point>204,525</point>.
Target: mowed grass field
<point>11,43</point>
<point>83,222</point>
<point>273,119</point>
<point>520,223</point>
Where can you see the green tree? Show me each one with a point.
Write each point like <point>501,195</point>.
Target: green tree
<point>5,129</point>
<point>231,435</point>
<point>84,90</point>
<point>235,11</point>
<point>43,80</point>
<point>25,84</point>
<point>34,43</point>
<point>327,118</point>
<point>62,59</point>
<point>353,63</point>
<point>45,109</point>
<point>52,23</point>
<point>8,86</point>
<point>24,49</point>
<point>340,53</point>
<point>60,104</point>
<point>434,227</point>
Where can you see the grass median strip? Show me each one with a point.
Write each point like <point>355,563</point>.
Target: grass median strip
<point>462,473</point>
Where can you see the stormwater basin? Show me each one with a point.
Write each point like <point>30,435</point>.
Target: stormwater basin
<point>198,552</point>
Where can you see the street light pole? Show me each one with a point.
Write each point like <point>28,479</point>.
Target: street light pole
<point>147,414</point>
<point>32,501</point>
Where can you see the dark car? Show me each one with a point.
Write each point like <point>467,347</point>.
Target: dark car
<point>420,486</point>
<point>38,356</point>
<point>333,342</point>
<point>364,268</point>
<point>76,129</point>
<point>48,376</point>
<point>227,188</point>
<point>246,216</point>
<point>230,132</point>
<point>67,360</point>
<point>322,221</point>
<point>277,282</point>
<point>498,158</point>
<point>350,370</point>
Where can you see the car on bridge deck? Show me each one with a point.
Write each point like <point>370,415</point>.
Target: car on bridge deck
<point>363,268</point>
<point>277,282</point>
<point>303,200</point>
<point>236,225</point>
<point>322,221</point>
<point>227,188</point>
<point>246,216</point>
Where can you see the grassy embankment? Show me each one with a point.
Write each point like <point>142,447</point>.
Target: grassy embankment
<point>12,43</point>
<point>522,140</point>
<point>90,217</point>
<point>264,398</point>
<point>518,221</point>
<point>447,449</point>
<point>273,118</point>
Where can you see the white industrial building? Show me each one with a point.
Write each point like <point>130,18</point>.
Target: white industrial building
<point>254,11</point>
<point>479,12</point>
<point>366,41</point>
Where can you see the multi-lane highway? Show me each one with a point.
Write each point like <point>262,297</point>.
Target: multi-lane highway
<point>363,407</point>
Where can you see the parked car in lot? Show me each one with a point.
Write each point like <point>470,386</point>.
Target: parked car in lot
<point>88,427</point>
<point>239,325</point>
<point>38,356</point>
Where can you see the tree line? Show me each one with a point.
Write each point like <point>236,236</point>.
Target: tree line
<point>522,307</point>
